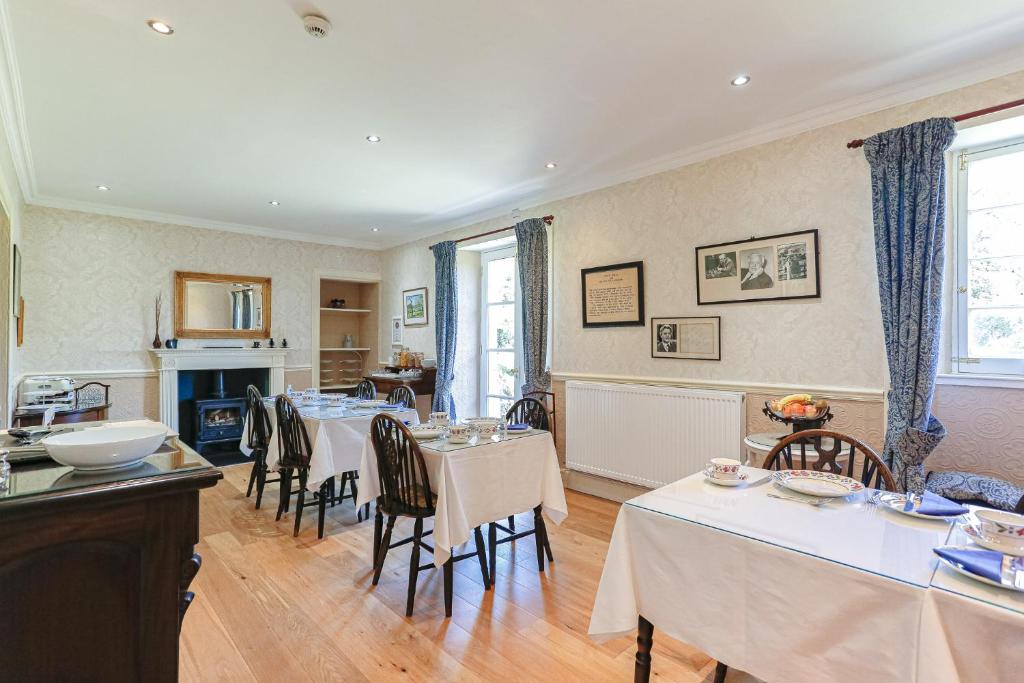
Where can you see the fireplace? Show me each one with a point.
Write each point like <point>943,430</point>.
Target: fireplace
<point>219,420</point>
<point>212,407</point>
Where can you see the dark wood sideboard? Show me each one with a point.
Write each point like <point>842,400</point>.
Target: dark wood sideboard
<point>95,568</point>
<point>422,386</point>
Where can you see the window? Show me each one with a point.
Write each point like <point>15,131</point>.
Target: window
<point>500,362</point>
<point>989,296</point>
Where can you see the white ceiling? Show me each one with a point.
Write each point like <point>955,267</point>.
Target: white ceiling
<point>471,98</point>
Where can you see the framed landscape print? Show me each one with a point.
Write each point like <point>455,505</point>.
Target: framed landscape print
<point>763,269</point>
<point>414,307</point>
<point>696,338</point>
<point>613,296</point>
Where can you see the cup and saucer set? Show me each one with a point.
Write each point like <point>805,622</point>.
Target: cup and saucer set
<point>999,561</point>
<point>724,472</point>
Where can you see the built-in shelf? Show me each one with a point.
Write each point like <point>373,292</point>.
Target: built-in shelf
<point>341,367</point>
<point>337,348</point>
<point>347,310</point>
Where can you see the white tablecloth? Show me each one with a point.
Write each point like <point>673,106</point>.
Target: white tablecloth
<point>789,592</point>
<point>336,435</point>
<point>481,483</point>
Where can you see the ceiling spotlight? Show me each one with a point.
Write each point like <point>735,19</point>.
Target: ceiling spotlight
<point>103,188</point>
<point>375,229</point>
<point>160,27</point>
<point>550,164</point>
<point>373,138</point>
<point>742,79</point>
<point>274,202</point>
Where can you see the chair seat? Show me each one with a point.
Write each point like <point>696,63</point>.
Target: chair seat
<point>969,487</point>
<point>411,493</point>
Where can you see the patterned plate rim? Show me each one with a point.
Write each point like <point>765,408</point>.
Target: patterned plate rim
<point>896,501</point>
<point>852,485</point>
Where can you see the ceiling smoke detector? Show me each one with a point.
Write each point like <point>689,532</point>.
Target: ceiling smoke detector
<point>318,27</point>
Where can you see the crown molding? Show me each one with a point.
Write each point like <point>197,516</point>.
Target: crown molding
<point>11,109</point>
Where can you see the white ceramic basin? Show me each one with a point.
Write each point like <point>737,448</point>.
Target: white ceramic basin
<point>101,449</point>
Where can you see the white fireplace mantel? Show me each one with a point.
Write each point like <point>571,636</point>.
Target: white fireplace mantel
<point>171,361</point>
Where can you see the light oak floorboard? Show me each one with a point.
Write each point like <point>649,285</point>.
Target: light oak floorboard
<point>270,607</point>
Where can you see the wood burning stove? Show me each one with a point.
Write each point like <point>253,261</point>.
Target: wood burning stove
<point>219,420</point>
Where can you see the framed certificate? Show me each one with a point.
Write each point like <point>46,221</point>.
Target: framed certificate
<point>613,296</point>
<point>698,338</point>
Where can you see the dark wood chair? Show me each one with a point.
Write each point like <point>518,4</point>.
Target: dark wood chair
<point>405,492</point>
<point>257,437</point>
<point>532,412</point>
<point>861,463</point>
<point>402,394</point>
<point>366,390</point>
<point>295,451</point>
<point>92,393</point>
<point>548,399</point>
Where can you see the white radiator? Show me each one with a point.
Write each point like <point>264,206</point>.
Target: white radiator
<point>647,435</point>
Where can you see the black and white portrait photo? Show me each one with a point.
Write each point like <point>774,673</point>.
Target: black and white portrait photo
<point>720,265</point>
<point>667,338</point>
<point>792,261</point>
<point>755,268</point>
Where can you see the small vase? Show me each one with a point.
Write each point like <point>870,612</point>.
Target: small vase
<point>156,340</point>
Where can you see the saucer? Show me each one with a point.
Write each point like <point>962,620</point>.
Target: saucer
<point>974,534</point>
<point>897,502</point>
<point>741,478</point>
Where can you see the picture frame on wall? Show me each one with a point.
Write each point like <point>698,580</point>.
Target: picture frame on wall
<point>396,331</point>
<point>414,307</point>
<point>772,268</point>
<point>613,296</point>
<point>691,338</point>
<point>16,283</point>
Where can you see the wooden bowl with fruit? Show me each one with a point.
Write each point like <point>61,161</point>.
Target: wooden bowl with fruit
<point>798,408</point>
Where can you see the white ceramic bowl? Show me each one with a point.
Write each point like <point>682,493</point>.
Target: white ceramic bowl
<point>1007,527</point>
<point>101,449</point>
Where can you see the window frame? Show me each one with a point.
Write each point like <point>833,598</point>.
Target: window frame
<point>486,257</point>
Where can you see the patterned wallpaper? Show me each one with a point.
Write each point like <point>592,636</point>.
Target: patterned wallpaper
<point>984,431</point>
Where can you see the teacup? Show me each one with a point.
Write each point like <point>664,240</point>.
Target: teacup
<point>1001,526</point>
<point>487,429</point>
<point>439,419</point>
<point>724,468</point>
<point>458,433</point>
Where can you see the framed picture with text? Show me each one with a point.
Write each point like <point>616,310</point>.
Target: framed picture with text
<point>613,296</point>
<point>771,268</point>
<point>694,338</point>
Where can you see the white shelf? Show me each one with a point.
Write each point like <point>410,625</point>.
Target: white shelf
<point>334,348</point>
<point>347,310</point>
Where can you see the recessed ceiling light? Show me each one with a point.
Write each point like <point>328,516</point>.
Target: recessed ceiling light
<point>274,202</point>
<point>550,164</point>
<point>373,138</point>
<point>160,27</point>
<point>742,79</point>
<point>103,188</point>
<point>374,229</point>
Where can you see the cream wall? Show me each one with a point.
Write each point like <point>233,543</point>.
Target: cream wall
<point>89,282</point>
<point>832,345</point>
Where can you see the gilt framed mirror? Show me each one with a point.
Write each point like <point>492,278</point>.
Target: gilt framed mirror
<point>214,306</point>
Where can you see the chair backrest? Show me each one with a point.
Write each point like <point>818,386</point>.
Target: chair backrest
<point>366,390</point>
<point>258,430</point>
<point>402,394</point>
<point>829,446</point>
<point>528,411</point>
<point>90,393</point>
<point>404,482</point>
<point>292,439</point>
<point>548,399</point>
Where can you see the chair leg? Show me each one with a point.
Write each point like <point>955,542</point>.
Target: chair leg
<point>261,482</point>
<point>414,564</point>
<point>478,536</point>
<point>538,536</point>
<point>543,530</point>
<point>352,485</point>
<point>285,491</point>
<point>322,511</point>
<point>512,522</point>
<point>448,583</point>
<point>378,529</point>
<point>492,549</point>
<point>382,549</point>
<point>252,475</point>
<point>331,486</point>
<point>720,671</point>
<point>301,502</point>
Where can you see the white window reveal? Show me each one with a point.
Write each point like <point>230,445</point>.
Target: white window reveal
<point>501,356</point>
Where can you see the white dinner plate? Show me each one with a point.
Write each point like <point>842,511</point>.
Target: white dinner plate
<point>983,579</point>
<point>739,480</point>
<point>426,433</point>
<point>821,484</point>
<point>897,501</point>
<point>974,534</point>
<point>370,404</point>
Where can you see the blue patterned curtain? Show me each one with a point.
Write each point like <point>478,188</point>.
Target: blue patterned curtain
<point>908,168</point>
<point>532,238</point>
<point>446,313</point>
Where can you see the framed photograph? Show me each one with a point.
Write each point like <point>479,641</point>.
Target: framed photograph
<point>695,338</point>
<point>396,331</point>
<point>414,307</point>
<point>16,279</point>
<point>763,269</point>
<point>613,296</point>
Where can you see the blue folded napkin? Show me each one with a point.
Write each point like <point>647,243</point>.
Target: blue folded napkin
<point>390,406</point>
<point>934,504</point>
<point>518,427</point>
<point>987,563</point>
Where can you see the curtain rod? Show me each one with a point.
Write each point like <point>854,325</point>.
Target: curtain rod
<point>546,219</point>
<point>854,144</point>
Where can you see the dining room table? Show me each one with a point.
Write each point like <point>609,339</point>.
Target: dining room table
<point>480,481</point>
<point>336,435</point>
<point>787,587</point>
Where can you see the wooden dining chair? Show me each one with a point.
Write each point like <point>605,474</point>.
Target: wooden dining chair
<point>366,390</point>
<point>532,412</point>
<point>402,394</point>
<point>295,451</point>
<point>257,437</point>
<point>92,393</point>
<point>405,492</point>
<point>548,399</point>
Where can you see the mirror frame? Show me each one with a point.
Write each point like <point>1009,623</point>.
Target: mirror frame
<point>181,277</point>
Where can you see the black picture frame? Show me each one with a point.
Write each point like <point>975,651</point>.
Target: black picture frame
<point>655,325</point>
<point>640,321</point>
<point>701,275</point>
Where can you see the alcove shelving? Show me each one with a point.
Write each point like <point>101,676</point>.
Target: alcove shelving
<point>337,367</point>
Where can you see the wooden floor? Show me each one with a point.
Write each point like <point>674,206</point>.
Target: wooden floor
<point>270,607</point>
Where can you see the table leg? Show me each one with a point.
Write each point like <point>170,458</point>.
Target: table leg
<point>644,640</point>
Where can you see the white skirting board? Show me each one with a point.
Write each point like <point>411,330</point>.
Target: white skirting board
<point>649,435</point>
